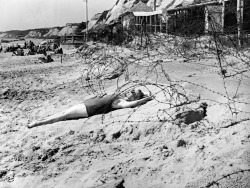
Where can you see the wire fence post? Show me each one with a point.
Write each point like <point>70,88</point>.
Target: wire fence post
<point>239,22</point>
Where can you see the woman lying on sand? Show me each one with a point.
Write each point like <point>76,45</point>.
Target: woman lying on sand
<point>94,106</point>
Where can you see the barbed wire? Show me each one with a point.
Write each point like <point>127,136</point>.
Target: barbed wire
<point>145,66</point>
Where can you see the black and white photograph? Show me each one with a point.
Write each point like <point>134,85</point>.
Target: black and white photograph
<point>124,93</point>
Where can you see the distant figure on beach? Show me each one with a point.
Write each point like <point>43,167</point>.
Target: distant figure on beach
<point>91,107</point>
<point>18,52</point>
<point>25,45</point>
<point>31,44</point>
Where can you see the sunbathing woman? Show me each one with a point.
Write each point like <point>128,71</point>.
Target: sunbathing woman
<point>90,107</point>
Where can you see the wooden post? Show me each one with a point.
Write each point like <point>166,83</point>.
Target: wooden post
<point>223,17</point>
<point>206,19</point>
<point>155,24</point>
<point>242,11</point>
<point>138,23</point>
<point>150,23</point>
<point>86,21</point>
<point>166,24</point>
<point>177,18</point>
<point>175,23</point>
<point>242,14</point>
<point>142,29</point>
<point>239,22</point>
<point>135,22</point>
<point>160,24</point>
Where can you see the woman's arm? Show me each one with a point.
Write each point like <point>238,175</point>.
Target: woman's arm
<point>121,103</point>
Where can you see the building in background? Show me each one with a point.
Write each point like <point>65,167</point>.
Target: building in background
<point>210,16</point>
<point>143,18</point>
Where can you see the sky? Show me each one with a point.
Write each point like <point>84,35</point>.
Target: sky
<point>30,14</point>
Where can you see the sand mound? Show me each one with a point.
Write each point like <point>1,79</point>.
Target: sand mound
<point>67,30</point>
<point>52,32</point>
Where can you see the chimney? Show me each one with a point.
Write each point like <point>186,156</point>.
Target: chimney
<point>154,5</point>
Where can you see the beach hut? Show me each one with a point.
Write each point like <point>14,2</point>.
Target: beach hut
<point>149,21</point>
<point>143,18</point>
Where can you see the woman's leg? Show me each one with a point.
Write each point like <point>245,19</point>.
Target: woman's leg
<point>77,111</point>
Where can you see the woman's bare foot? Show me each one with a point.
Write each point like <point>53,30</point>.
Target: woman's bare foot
<point>34,124</point>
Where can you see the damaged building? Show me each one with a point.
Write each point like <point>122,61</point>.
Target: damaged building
<point>210,16</point>
<point>143,18</point>
<point>199,17</point>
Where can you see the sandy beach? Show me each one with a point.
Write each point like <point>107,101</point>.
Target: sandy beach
<point>147,146</point>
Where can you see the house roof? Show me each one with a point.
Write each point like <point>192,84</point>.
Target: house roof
<point>195,4</point>
<point>141,7</point>
<point>147,13</point>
